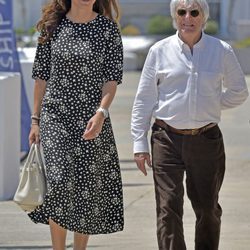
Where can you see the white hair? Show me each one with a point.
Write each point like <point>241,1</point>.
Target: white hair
<point>202,4</point>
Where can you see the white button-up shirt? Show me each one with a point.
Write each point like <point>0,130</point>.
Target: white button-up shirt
<point>186,90</point>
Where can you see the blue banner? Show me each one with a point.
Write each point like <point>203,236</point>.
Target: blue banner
<point>9,62</point>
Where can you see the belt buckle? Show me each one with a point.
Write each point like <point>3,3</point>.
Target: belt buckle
<point>194,131</point>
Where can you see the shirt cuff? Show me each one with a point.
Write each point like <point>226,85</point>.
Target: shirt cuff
<point>141,146</point>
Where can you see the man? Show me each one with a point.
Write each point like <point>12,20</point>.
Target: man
<point>181,88</point>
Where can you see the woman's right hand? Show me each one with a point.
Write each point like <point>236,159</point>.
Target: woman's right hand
<point>34,136</point>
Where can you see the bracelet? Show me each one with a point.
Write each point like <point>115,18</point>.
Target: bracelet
<point>35,120</point>
<point>105,112</point>
<point>35,117</point>
<point>33,123</point>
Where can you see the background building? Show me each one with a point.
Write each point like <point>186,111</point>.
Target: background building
<point>26,13</point>
<point>235,19</point>
<point>233,16</point>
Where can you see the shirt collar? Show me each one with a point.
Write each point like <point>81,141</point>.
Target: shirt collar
<point>200,44</point>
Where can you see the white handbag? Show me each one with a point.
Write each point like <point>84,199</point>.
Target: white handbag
<point>32,185</point>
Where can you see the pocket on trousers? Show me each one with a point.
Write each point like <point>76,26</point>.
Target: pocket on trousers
<point>156,128</point>
<point>213,133</point>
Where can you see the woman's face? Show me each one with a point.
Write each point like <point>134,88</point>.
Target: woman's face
<point>189,19</point>
<point>83,3</point>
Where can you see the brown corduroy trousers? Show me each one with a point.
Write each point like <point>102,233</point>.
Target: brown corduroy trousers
<point>202,157</point>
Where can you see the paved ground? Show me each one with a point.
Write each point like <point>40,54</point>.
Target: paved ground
<point>18,232</point>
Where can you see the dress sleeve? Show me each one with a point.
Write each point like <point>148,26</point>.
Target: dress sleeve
<point>113,62</point>
<point>42,62</point>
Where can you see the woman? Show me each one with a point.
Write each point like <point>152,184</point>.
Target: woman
<point>77,67</point>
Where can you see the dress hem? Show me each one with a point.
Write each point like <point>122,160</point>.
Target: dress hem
<point>46,222</point>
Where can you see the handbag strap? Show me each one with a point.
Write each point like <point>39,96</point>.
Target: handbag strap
<point>38,157</point>
<point>30,157</point>
<point>34,155</point>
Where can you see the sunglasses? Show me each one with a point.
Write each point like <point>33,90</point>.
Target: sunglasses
<point>183,12</point>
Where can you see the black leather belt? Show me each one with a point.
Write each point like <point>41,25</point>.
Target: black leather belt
<point>195,131</point>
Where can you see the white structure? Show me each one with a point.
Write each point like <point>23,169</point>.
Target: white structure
<point>240,20</point>
<point>235,19</point>
<point>135,51</point>
<point>27,12</point>
<point>27,56</point>
<point>10,102</point>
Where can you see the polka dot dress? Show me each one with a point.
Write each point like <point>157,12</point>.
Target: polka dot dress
<point>84,181</point>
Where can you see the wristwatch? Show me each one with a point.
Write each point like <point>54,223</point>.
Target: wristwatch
<point>104,111</point>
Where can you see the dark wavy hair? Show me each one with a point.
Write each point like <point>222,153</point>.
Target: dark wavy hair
<point>53,13</point>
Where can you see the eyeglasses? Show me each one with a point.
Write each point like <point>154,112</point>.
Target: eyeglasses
<point>183,12</point>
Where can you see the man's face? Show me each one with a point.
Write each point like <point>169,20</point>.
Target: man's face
<point>189,19</point>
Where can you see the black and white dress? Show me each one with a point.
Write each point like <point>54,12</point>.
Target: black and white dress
<point>84,180</point>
